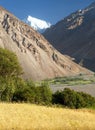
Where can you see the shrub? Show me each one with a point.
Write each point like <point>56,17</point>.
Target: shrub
<point>28,92</point>
<point>73,99</point>
<point>45,94</point>
<point>25,91</point>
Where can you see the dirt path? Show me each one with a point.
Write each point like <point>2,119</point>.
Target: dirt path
<point>88,88</point>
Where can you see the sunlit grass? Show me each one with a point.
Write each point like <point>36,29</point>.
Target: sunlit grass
<point>33,117</point>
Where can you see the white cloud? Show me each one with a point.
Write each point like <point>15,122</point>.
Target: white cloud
<point>37,24</point>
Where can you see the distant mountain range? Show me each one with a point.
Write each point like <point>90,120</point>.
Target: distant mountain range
<point>75,36</point>
<point>37,24</point>
<point>38,58</point>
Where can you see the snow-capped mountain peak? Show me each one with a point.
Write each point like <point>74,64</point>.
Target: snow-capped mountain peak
<point>38,24</point>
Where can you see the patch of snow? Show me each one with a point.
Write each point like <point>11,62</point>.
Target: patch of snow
<point>37,24</point>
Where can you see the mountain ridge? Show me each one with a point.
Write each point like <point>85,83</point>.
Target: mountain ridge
<point>74,36</point>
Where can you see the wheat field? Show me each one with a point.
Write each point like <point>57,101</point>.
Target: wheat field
<point>33,117</point>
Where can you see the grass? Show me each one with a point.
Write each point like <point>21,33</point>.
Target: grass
<point>78,80</point>
<point>33,117</point>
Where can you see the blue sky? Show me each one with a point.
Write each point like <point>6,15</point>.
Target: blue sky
<point>49,10</point>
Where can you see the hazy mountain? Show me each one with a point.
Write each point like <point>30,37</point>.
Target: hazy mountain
<point>37,24</point>
<point>37,57</point>
<point>75,36</point>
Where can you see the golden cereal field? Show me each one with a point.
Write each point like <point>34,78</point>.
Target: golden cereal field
<point>33,117</point>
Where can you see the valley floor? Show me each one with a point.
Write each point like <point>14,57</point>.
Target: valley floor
<point>87,88</point>
<point>33,117</point>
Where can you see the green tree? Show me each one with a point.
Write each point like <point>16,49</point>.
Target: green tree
<point>10,70</point>
<point>9,65</point>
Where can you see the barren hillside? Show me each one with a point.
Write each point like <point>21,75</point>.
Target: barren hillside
<point>36,55</point>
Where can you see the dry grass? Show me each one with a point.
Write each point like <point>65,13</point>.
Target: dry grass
<point>33,117</point>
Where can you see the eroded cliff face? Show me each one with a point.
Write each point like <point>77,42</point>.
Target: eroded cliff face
<point>36,55</point>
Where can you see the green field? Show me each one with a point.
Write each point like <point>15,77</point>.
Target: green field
<point>74,80</point>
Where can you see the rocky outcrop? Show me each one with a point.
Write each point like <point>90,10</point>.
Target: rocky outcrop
<point>36,55</point>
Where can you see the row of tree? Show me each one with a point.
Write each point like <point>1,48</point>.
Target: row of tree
<point>14,89</point>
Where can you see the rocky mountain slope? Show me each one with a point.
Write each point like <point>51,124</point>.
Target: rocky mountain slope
<point>75,36</point>
<point>37,57</point>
